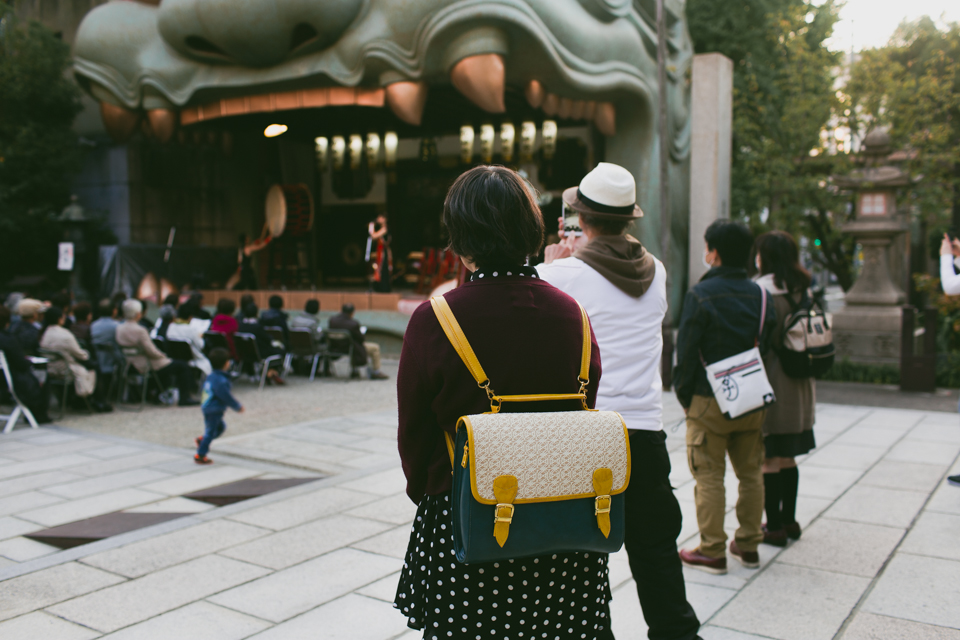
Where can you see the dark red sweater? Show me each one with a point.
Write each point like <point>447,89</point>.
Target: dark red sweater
<point>527,336</point>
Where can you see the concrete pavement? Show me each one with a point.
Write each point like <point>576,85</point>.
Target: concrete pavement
<point>879,556</point>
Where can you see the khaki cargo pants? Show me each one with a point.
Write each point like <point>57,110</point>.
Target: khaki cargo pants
<point>710,436</point>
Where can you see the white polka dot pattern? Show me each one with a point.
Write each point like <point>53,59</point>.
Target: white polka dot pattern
<point>561,596</point>
<point>551,454</point>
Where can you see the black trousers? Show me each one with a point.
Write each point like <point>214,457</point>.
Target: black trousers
<point>178,373</point>
<point>653,522</point>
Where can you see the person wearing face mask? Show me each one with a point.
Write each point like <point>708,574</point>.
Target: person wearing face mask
<point>721,318</point>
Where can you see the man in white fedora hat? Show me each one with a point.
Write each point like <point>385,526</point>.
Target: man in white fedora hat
<point>623,288</point>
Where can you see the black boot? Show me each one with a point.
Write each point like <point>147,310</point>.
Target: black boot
<point>773,532</point>
<point>789,485</point>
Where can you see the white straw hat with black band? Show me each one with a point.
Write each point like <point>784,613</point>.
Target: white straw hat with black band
<point>609,191</point>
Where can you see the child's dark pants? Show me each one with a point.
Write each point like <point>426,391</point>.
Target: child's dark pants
<point>214,429</point>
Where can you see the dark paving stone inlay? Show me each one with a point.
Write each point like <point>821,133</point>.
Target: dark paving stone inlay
<point>74,534</point>
<point>244,490</point>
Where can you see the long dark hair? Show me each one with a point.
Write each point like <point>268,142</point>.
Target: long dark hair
<point>51,317</point>
<point>780,256</point>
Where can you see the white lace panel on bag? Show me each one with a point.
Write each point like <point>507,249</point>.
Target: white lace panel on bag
<point>552,455</point>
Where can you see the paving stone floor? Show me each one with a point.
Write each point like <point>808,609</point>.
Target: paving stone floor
<point>879,557</point>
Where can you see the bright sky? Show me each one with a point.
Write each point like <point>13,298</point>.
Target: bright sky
<point>870,23</point>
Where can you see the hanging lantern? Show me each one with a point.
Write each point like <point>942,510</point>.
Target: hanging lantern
<point>321,147</point>
<point>339,152</point>
<point>528,140</point>
<point>487,137</point>
<point>390,143</point>
<point>466,144</point>
<point>373,150</point>
<point>549,138</point>
<point>507,135</point>
<point>356,151</point>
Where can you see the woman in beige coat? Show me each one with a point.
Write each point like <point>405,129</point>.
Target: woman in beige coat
<point>55,337</point>
<point>788,427</point>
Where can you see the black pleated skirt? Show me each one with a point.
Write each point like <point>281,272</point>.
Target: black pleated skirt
<point>562,596</point>
<point>789,445</point>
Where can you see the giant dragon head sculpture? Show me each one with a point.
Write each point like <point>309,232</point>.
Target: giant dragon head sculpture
<point>163,64</point>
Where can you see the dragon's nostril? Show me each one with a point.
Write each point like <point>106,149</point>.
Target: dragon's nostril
<point>202,45</point>
<point>302,34</point>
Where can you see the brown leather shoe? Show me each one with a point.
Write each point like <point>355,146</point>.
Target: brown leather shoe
<point>749,559</point>
<point>793,530</point>
<point>696,560</point>
<point>776,538</point>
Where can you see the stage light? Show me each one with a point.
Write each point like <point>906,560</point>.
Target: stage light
<point>321,145</point>
<point>507,135</point>
<point>390,143</point>
<point>487,136</point>
<point>373,150</point>
<point>528,140</point>
<point>339,151</point>
<point>274,130</point>
<point>466,144</point>
<point>356,151</point>
<point>549,138</point>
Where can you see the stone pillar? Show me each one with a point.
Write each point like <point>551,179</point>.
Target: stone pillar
<point>710,148</point>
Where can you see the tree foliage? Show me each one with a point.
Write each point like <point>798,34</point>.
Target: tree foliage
<point>783,97</point>
<point>38,149</point>
<point>912,86</point>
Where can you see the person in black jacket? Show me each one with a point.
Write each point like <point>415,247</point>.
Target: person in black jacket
<point>363,352</point>
<point>25,384</point>
<point>276,318</point>
<point>250,324</point>
<point>26,330</point>
<point>721,318</point>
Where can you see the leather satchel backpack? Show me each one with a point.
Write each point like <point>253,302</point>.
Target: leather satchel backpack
<point>807,350</point>
<point>531,484</point>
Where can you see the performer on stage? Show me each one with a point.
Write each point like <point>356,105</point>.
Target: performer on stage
<point>246,278</point>
<point>383,258</point>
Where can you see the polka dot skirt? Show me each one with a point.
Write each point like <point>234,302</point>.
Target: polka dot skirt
<point>564,596</point>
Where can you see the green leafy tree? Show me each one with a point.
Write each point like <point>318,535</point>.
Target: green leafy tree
<point>912,86</point>
<point>38,149</point>
<point>783,97</point>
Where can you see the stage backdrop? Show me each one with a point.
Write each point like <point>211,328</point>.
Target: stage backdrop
<point>123,267</point>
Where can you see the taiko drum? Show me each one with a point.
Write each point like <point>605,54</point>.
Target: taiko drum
<point>289,210</point>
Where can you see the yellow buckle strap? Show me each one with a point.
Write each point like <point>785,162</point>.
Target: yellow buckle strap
<point>505,489</point>
<point>602,485</point>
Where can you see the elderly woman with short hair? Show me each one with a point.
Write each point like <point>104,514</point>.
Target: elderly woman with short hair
<point>527,334</point>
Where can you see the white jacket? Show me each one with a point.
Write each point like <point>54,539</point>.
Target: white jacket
<point>630,336</point>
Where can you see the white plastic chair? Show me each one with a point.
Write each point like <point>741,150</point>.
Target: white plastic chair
<point>18,407</point>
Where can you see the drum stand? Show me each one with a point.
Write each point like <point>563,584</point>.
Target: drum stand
<point>289,262</point>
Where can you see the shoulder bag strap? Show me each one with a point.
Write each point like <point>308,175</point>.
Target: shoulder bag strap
<point>450,326</point>
<point>763,313</point>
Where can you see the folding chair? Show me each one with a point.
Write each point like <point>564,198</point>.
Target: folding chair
<point>304,345</point>
<point>19,409</point>
<point>276,335</point>
<point>143,379</point>
<point>339,344</point>
<point>248,352</point>
<point>161,343</point>
<point>65,380</point>
<point>214,340</point>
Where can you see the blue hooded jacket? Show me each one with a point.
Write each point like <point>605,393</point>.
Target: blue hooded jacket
<point>216,395</point>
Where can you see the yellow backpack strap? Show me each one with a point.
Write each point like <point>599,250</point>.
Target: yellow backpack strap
<point>459,341</point>
<point>585,357</point>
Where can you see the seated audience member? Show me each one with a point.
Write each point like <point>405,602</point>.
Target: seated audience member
<point>363,352</point>
<point>168,312</point>
<point>103,336</point>
<point>131,334</point>
<point>76,361</point>
<point>245,300</point>
<point>27,330</point>
<point>275,317</point>
<point>308,319</point>
<point>183,330</point>
<point>143,321</point>
<point>225,323</point>
<point>31,393</point>
<point>200,314</point>
<point>265,345</point>
<point>63,300</point>
<point>11,303</point>
<point>82,315</point>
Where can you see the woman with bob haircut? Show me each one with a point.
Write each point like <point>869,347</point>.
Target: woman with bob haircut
<point>788,428</point>
<point>528,336</point>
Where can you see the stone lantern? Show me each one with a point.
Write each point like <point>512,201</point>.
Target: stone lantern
<point>868,328</point>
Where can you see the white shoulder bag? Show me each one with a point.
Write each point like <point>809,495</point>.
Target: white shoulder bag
<point>740,382</point>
